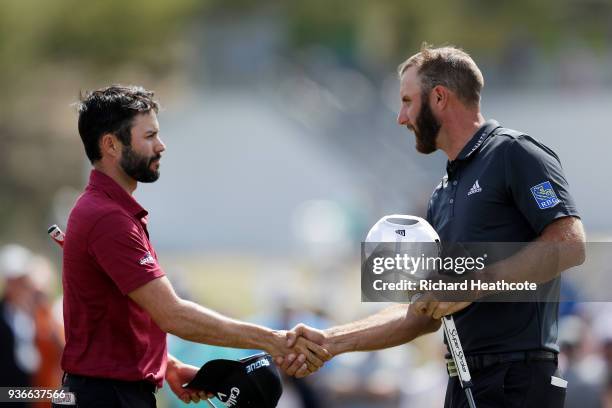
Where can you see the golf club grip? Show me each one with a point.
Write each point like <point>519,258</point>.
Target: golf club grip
<point>454,344</point>
<point>56,234</point>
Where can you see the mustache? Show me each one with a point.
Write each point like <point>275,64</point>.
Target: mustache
<point>157,157</point>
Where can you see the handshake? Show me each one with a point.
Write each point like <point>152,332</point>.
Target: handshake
<point>302,350</point>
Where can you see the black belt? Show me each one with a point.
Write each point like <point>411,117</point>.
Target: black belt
<point>142,385</point>
<point>482,361</point>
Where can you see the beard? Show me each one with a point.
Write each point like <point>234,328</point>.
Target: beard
<point>138,167</point>
<point>427,129</point>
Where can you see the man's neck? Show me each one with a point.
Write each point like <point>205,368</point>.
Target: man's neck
<point>117,174</point>
<point>457,132</point>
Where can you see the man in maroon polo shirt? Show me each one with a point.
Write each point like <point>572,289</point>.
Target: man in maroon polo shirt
<point>118,304</point>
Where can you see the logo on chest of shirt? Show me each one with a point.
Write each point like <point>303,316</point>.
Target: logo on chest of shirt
<point>544,195</point>
<point>147,259</point>
<point>475,189</point>
<point>401,232</point>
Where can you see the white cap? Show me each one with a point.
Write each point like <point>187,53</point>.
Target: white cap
<point>400,228</point>
<point>14,261</point>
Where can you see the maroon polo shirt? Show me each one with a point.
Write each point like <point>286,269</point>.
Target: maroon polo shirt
<point>107,254</point>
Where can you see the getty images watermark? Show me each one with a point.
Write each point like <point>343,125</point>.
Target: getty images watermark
<point>398,272</point>
<point>411,265</point>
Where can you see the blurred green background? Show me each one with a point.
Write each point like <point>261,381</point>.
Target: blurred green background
<point>279,119</point>
<point>49,51</point>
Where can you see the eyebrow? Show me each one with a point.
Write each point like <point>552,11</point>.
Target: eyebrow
<point>148,132</point>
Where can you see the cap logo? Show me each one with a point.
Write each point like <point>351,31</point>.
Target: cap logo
<point>233,398</point>
<point>258,364</point>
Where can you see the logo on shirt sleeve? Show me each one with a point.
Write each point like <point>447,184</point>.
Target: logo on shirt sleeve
<point>544,195</point>
<point>147,259</point>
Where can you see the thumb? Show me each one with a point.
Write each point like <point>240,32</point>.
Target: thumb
<point>295,333</point>
<point>291,338</point>
<point>309,333</point>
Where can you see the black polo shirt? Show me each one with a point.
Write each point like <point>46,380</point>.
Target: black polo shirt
<point>504,186</point>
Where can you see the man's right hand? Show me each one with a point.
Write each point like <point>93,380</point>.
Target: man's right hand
<point>303,336</point>
<point>300,356</point>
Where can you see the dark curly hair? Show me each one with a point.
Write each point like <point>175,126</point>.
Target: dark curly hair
<point>111,110</point>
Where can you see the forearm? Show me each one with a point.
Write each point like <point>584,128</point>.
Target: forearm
<point>172,364</point>
<point>196,323</point>
<point>535,263</point>
<point>193,322</point>
<point>560,247</point>
<point>388,328</point>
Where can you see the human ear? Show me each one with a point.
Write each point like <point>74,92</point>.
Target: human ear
<point>110,145</point>
<point>439,97</point>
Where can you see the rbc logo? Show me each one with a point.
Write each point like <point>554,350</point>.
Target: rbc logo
<point>544,195</point>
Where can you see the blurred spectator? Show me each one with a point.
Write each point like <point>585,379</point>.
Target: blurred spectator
<point>31,339</point>
<point>49,338</point>
<point>19,358</point>
<point>607,396</point>
<point>602,328</point>
<point>582,391</point>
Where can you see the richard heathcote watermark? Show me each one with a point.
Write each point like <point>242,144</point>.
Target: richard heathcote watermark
<point>400,271</point>
<point>460,265</point>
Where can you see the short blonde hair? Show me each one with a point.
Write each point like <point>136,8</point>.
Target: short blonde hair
<point>450,67</point>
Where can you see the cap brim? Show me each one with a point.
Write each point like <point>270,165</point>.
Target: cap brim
<point>211,374</point>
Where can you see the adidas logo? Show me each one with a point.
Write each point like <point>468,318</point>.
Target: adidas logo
<point>401,232</point>
<point>147,259</point>
<point>475,189</point>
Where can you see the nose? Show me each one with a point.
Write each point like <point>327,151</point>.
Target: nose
<point>402,118</point>
<point>161,146</point>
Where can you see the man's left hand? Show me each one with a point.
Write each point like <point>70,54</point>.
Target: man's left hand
<point>178,374</point>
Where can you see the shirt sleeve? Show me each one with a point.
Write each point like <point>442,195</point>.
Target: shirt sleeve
<point>536,183</point>
<point>121,249</point>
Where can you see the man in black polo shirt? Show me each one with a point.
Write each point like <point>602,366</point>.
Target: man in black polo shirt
<point>500,186</point>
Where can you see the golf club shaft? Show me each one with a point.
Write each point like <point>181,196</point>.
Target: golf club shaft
<point>454,345</point>
<point>470,397</point>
